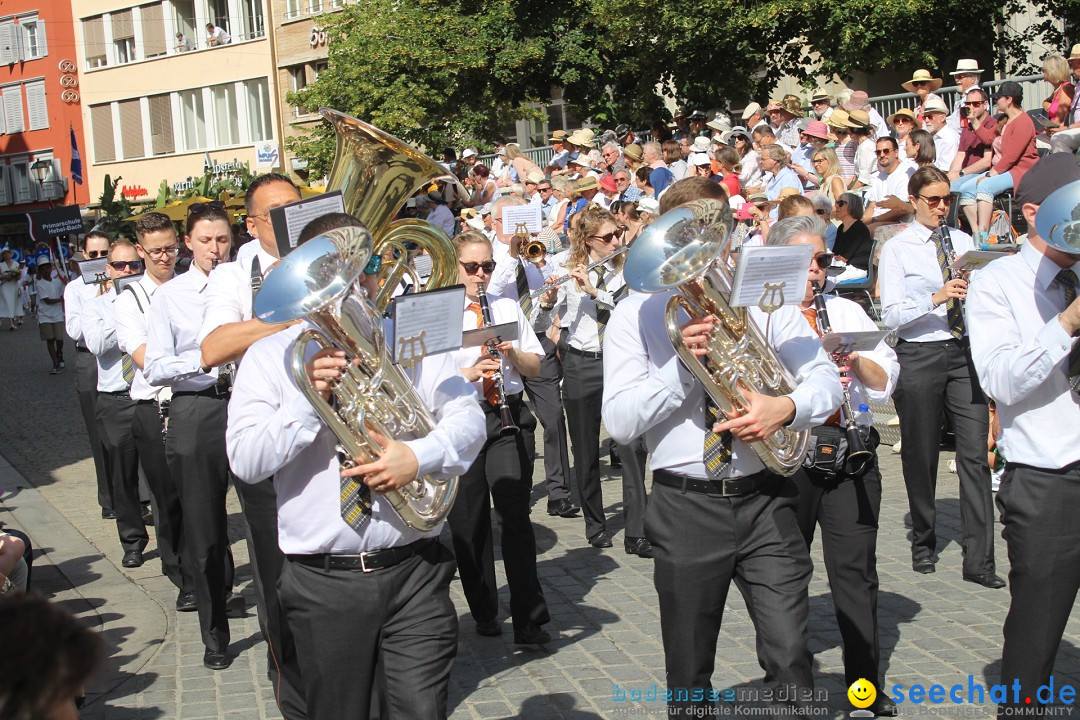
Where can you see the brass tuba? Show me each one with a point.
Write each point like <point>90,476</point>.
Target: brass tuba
<point>318,281</point>
<point>376,173</point>
<point>687,248</point>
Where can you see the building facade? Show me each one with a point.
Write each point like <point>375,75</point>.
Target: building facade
<point>40,114</point>
<point>165,98</point>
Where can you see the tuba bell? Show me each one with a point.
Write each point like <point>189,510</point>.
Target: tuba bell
<point>687,249</point>
<point>318,281</point>
<point>376,173</point>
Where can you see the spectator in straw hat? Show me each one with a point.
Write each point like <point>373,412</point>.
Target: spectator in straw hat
<point>903,122</point>
<point>813,136</point>
<point>821,104</point>
<point>1067,138</point>
<point>785,118</point>
<point>752,116</point>
<point>923,84</point>
<point>845,144</point>
<point>859,100</point>
<point>946,140</point>
<point>858,123</point>
<point>966,75</point>
<point>634,156</point>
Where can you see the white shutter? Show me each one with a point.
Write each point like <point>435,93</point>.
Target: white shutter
<point>13,109</point>
<point>20,179</point>
<point>35,103</point>
<point>42,45</point>
<point>5,189</point>
<point>55,186</point>
<point>3,119</point>
<point>9,45</point>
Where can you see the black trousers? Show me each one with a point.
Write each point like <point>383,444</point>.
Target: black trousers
<point>1042,533</point>
<point>259,503</point>
<point>347,623</point>
<point>635,499</point>
<point>543,393</point>
<point>501,475</point>
<point>701,545</point>
<point>195,448</point>
<point>583,393</point>
<point>937,378</point>
<point>847,510</point>
<point>86,387</point>
<point>116,415</point>
<point>164,496</point>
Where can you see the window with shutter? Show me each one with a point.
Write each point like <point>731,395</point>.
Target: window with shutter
<point>10,44</point>
<point>94,37</point>
<point>5,188</point>
<point>20,180</point>
<point>33,38</point>
<point>36,105</point>
<point>131,132</point>
<point>102,121</point>
<point>153,30</point>
<point>13,109</point>
<point>3,120</point>
<point>161,125</point>
<point>123,27</point>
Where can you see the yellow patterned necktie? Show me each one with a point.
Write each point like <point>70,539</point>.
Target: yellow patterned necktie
<point>953,310</point>
<point>127,368</point>
<point>717,451</point>
<point>1067,279</point>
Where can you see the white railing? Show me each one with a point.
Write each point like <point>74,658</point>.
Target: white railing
<point>1035,91</point>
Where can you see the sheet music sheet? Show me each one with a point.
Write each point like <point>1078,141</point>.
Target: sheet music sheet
<point>857,341</point>
<point>427,323</point>
<point>92,270</point>
<point>512,215</point>
<point>289,220</point>
<point>500,333</point>
<point>975,259</point>
<point>761,264</point>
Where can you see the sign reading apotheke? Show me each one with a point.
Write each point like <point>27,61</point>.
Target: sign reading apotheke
<point>229,170</point>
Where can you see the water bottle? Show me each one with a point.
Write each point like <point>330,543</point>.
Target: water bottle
<point>864,419</point>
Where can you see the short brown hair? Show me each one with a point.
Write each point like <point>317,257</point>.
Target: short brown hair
<point>691,188</point>
<point>153,222</point>
<point>471,237</point>
<point>122,242</point>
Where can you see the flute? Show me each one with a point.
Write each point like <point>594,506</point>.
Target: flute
<point>508,426</point>
<point>537,293</point>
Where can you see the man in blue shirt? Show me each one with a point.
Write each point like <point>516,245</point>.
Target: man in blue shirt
<point>660,177</point>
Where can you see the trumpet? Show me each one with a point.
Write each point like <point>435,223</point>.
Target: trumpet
<point>508,426</point>
<point>537,293</point>
<point>534,251</point>
<point>858,456</point>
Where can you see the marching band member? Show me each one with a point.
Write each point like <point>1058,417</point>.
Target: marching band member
<point>157,247</point>
<point>195,442</point>
<point>115,408</point>
<point>733,520</point>
<point>589,300</point>
<point>515,278</point>
<point>227,331</point>
<point>76,294</point>
<point>1025,320</point>
<point>502,473</point>
<point>842,499</point>
<point>396,613</point>
<point>925,310</point>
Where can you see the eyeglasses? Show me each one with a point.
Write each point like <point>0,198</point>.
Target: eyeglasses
<point>818,160</point>
<point>91,254</point>
<point>918,83</point>
<point>901,119</point>
<point>610,237</point>
<point>158,253</point>
<point>884,151</point>
<point>622,180</point>
<point>200,207</point>
<point>472,267</point>
<point>824,259</point>
<point>119,265</point>
<point>935,200</point>
<point>974,103</point>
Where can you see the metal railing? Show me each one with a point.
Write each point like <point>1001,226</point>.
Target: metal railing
<point>539,155</point>
<point>1035,91</point>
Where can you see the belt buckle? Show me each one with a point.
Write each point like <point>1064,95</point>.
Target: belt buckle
<point>734,484</point>
<point>363,564</point>
<point>220,389</point>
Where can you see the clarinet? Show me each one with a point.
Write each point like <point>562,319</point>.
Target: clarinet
<point>508,426</point>
<point>858,457</point>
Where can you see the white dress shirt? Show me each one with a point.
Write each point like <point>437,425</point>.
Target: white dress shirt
<point>751,170</point>
<point>173,353</point>
<point>1020,352</point>
<point>99,332</point>
<point>54,290</point>
<point>503,281</point>
<point>848,316</point>
<point>503,310</point>
<point>132,322</point>
<point>577,311</point>
<point>274,430</point>
<point>228,291</point>
<point>946,142</point>
<point>647,390</point>
<point>76,295</point>
<point>908,275</point>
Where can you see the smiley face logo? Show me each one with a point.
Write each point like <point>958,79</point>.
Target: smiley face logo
<point>862,693</point>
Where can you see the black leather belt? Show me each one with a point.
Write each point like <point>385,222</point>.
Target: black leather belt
<point>146,402</point>
<point>117,393</point>
<point>727,487</point>
<point>214,391</point>
<point>367,562</point>
<point>584,353</point>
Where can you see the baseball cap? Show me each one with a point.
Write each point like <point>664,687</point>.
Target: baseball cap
<point>1052,172</point>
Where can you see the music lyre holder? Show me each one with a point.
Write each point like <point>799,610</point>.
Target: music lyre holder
<point>411,350</point>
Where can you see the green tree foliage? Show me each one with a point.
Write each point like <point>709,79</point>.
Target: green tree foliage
<point>457,72</point>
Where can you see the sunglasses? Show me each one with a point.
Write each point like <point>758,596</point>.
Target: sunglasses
<point>610,237</point>
<point>886,151</point>
<point>840,203</point>
<point>473,267</point>
<point>974,103</point>
<point>129,264</point>
<point>201,207</point>
<point>817,160</point>
<point>819,211</point>
<point>902,119</point>
<point>91,254</point>
<point>824,259</point>
<point>918,83</point>
<point>544,189</point>
<point>935,200</point>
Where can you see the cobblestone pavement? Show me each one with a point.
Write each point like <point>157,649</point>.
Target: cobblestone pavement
<point>934,629</point>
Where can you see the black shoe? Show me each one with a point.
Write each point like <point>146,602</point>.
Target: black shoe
<point>987,580</point>
<point>531,635</point>
<point>147,515</point>
<point>212,660</point>
<point>638,546</point>
<point>185,602</point>
<point>562,508</point>
<point>884,707</point>
<point>55,370</point>
<point>132,559</point>
<point>488,628</point>
<point>923,566</point>
<point>108,514</point>
<point>235,604</point>
<point>600,540</point>
<point>613,457</point>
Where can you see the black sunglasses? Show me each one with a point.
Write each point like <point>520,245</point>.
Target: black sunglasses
<point>935,200</point>
<point>824,259</point>
<point>91,254</point>
<point>840,203</point>
<point>200,207</point>
<point>472,267</point>
<point>130,264</point>
<point>606,238</point>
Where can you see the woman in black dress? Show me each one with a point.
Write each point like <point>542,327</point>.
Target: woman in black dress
<point>854,244</point>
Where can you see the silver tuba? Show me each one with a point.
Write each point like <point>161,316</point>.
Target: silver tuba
<point>687,249</point>
<point>318,281</point>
